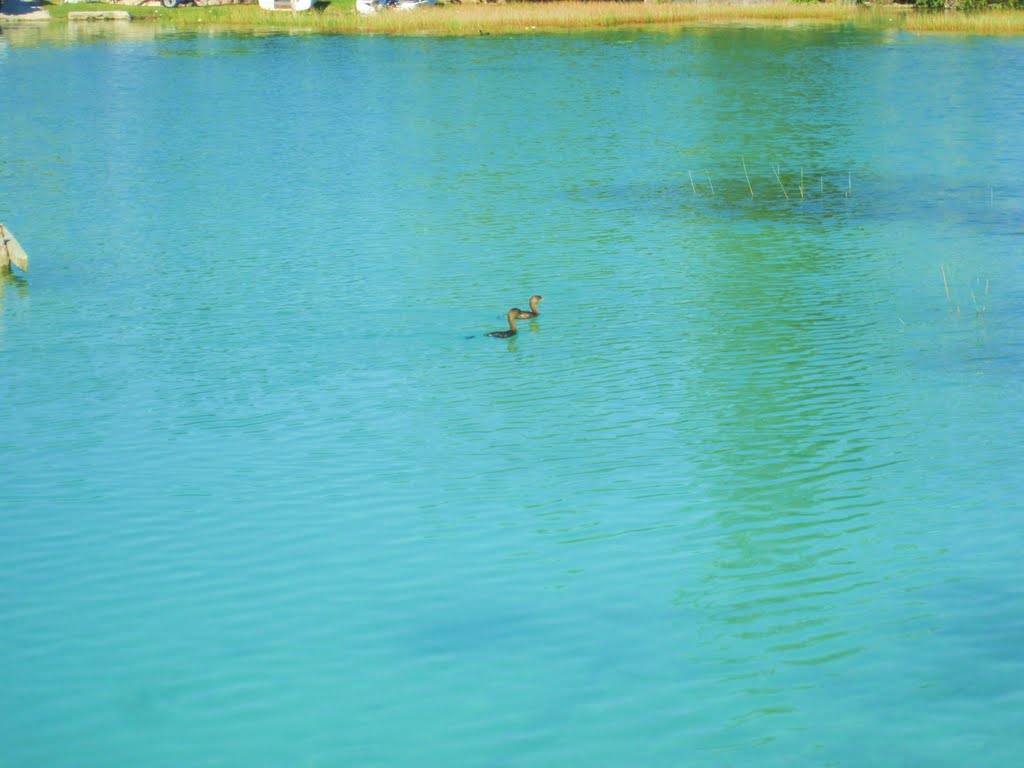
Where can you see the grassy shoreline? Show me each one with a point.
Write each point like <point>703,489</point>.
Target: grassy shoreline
<point>340,17</point>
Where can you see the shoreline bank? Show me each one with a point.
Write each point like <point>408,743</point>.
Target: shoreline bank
<point>467,19</point>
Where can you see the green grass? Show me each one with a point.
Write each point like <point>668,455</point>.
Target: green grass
<point>191,15</point>
<point>470,18</point>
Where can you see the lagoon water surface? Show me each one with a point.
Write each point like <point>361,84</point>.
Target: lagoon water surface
<point>747,493</point>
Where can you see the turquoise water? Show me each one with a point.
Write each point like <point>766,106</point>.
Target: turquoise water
<point>748,492</point>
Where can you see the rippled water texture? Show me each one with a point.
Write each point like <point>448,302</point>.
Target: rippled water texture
<point>748,492</point>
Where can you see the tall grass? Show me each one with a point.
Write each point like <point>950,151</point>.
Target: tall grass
<point>476,18</point>
<point>991,22</point>
<point>473,18</point>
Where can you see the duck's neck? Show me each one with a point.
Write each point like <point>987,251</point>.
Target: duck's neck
<point>512,323</point>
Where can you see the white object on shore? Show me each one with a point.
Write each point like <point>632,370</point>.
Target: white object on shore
<point>286,5</point>
<point>366,7</point>
<point>11,252</point>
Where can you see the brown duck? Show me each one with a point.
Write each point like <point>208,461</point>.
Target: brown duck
<point>534,311</point>
<point>512,315</point>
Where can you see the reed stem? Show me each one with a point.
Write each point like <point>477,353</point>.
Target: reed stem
<point>692,185</point>
<point>751,188</point>
<point>709,183</point>
<point>946,286</point>
<point>780,182</point>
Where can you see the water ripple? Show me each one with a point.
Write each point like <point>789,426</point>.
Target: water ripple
<point>271,497</point>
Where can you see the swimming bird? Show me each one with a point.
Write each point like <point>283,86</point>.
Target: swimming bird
<point>534,300</point>
<point>512,315</point>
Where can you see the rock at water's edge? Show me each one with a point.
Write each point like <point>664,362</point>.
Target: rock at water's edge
<point>99,16</point>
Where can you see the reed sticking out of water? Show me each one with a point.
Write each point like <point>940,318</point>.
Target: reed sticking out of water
<point>751,188</point>
<point>692,185</point>
<point>801,183</point>
<point>780,182</point>
<point>980,310</point>
<point>945,284</point>
<point>849,184</point>
<point>709,182</point>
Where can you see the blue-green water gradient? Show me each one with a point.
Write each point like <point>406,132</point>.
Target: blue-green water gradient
<point>747,493</point>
